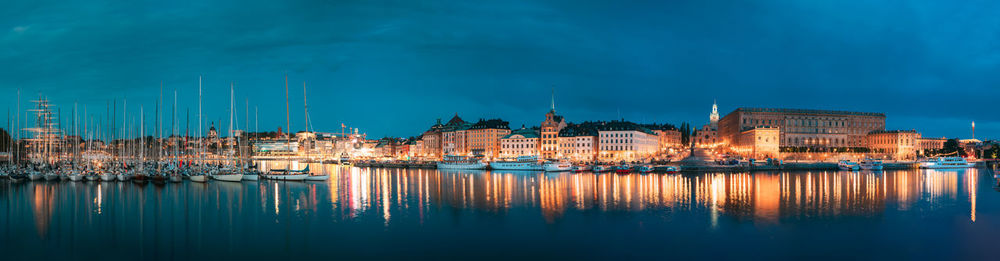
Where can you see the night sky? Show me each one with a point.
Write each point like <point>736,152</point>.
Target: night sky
<point>393,67</point>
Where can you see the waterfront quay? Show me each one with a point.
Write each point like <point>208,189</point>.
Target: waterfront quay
<point>746,139</point>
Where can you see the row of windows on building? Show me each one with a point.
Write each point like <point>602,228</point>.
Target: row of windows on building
<point>812,123</point>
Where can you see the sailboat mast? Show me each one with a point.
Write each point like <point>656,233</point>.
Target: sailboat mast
<point>288,122</point>
<point>200,138</point>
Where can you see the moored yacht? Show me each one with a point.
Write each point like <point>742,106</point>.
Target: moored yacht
<point>461,162</point>
<point>521,163</point>
<point>556,166</point>
<point>946,163</point>
<point>848,165</point>
<point>871,164</point>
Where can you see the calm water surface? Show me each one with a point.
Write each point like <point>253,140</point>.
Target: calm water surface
<point>370,213</point>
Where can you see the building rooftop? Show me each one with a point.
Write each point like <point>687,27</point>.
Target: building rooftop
<point>490,124</point>
<point>891,131</point>
<point>809,111</point>
<point>527,133</point>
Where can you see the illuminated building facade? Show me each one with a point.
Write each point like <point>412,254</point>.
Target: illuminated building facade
<point>430,142</point>
<point>550,133</point>
<point>578,143</point>
<point>453,137</point>
<point>929,144</point>
<point>625,141</point>
<point>804,128</point>
<point>484,137</point>
<point>708,135</point>
<point>760,142</point>
<point>520,142</point>
<point>898,144</point>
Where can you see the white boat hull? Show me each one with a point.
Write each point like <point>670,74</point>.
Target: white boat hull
<point>250,177</point>
<point>937,166</point>
<point>292,177</point>
<point>527,166</point>
<point>199,178</point>
<point>462,166</point>
<point>228,177</point>
<point>317,177</point>
<point>107,177</point>
<point>75,177</point>
<point>34,176</point>
<point>558,168</point>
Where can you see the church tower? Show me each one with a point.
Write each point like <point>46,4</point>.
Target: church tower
<point>713,118</point>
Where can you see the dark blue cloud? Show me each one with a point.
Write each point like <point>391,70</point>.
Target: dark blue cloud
<point>392,67</point>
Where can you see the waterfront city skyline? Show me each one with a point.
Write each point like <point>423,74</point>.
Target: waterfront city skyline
<point>392,69</point>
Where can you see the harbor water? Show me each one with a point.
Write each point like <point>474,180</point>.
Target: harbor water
<point>375,213</point>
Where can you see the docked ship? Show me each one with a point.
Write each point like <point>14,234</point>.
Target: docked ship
<point>529,163</point>
<point>461,162</point>
<point>556,166</point>
<point>871,164</point>
<point>848,165</point>
<point>946,163</point>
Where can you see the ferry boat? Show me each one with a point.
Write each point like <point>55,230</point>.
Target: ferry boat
<point>602,168</point>
<point>557,166</point>
<point>521,163</point>
<point>946,163</point>
<point>848,165</point>
<point>871,164</point>
<point>582,168</point>
<point>461,162</point>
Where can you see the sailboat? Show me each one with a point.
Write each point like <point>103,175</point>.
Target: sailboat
<point>305,105</point>
<point>199,173</point>
<point>229,173</point>
<point>288,173</point>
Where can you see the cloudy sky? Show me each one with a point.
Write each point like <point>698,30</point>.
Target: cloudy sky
<point>393,67</point>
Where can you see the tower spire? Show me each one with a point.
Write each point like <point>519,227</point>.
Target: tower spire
<point>553,99</point>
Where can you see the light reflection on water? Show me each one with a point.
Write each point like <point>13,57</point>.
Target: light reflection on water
<point>154,221</point>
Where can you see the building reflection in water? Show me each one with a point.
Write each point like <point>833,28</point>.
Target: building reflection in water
<point>392,194</point>
<point>765,198</point>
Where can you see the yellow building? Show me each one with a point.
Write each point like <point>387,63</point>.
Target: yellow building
<point>484,137</point>
<point>550,134</point>
<point>897,144</point>
<point>521,142</point>
<point>759,142</point>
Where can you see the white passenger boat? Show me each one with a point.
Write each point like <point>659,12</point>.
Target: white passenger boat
<point>871,164</point>
<point>461,162</point>
<point>946,163</point>
<point>529,163</point>
<point>602,168</point>
<point>848,165</point>
<point>51,176</point>
<point>556,166</point>
<point>582,168</point>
